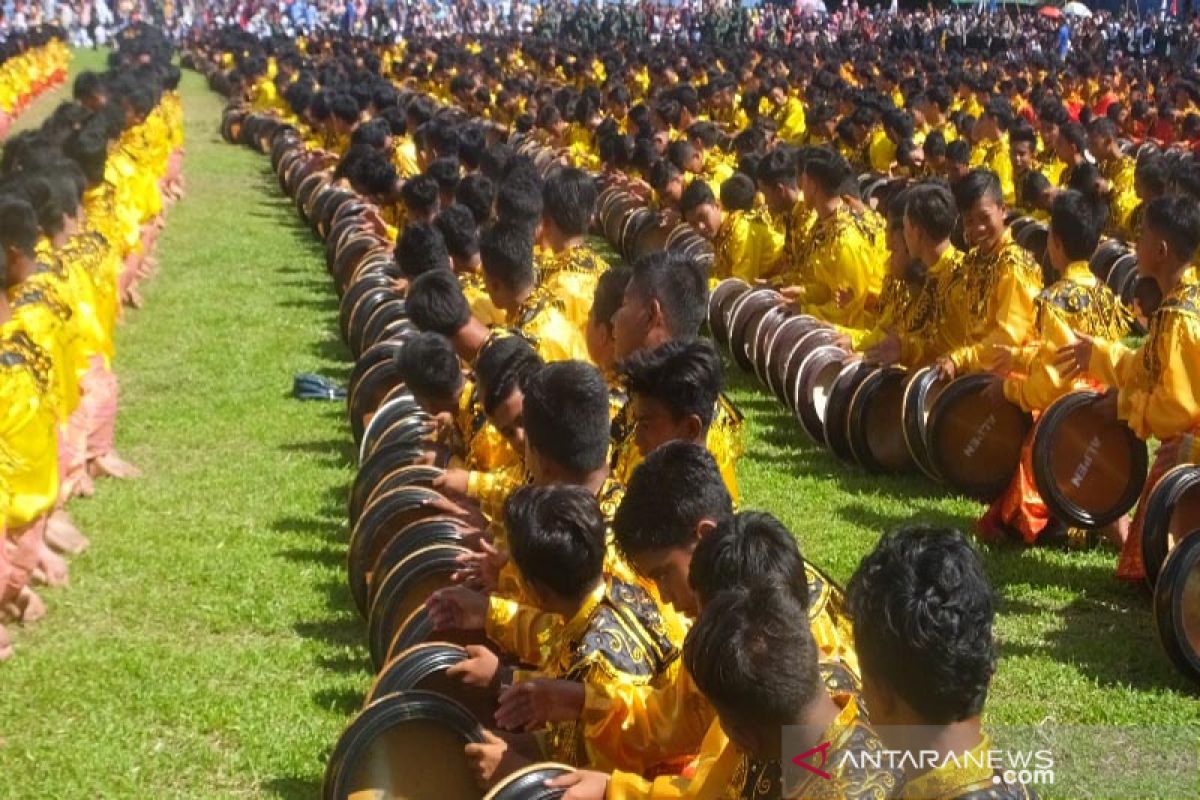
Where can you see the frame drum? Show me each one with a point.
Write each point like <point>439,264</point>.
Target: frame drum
<point>1177,607</point>
<point>1172,513</point>
<point>974,445</point>
<point>1089,469</point>
<point>387,750</point>
<point>876,436</point>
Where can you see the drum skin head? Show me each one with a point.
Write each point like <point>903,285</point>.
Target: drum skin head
<point>1089,469</point>
<point>407,475</point>
<point>973,444</point>
<point>876,439</point>
<point>779,347</point>
<point>423,667</point>
<point>791,362</point>
<point>530,783</point>
<point>759,336</point>
<point>1172,512</point>
<point>720,304</point>
<point>387,749</point>
<point>1177,607</point>
<point>810,394</point>
<point>405,589</point>
<point>423,532</point>
<point>1105,256</point>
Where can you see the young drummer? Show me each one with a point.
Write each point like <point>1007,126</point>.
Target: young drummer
<point>920,220</point>
<point>1076,302</point>
<point>923,614</point>
<point>612,638</point>
<point>987,301</point>
<point>569,268</point>
<point>745,241</point>
<point>674,393</point>
<point>1157,386</point>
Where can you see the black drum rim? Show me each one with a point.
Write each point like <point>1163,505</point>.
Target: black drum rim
<point>363,537</point>
<point>912,417</point>
<point>404,671</point>
<point>773,345</point>
<point>1160,507</point>
<point>803,407</point>
<point>395,586</point>
<point>727,291</point>
<point>529,783</point>
<point>389,711</point>
<point>867,390</point>
<point>772,321</point>
<point>407,475</point>
<point>1063,507</point>
<point>841,393</point>
<point>1183,561</point>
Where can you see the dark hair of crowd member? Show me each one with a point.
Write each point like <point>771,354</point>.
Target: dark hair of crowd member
<point>684,375</point>
<point>420,194</point>
<point>506,253</point>
<point>697,193</point>
<point>373,134</point>
<point>958,152</point>
<point>738,193</point>
<point>752,655</point>
<point>745,549</point>
<point>1077,221</point>
<point>18,224</point>
<point>478,193</point>
<point>45,201</point>
<point>88,87</point>
<point>447,173</point>
<point>494,160</point>
<point>435,302</point>
<point>420,249</point>
<point>556,538</point>
<point>502,365</point>
<point>519,201</point>
<point>430,367</point>
<point>1152,174</point>
<point>567,416</point>
<point>1033,185</point>
<point>674,489</point>
<point>923,613</point>
<point>678,285</point>
<point>777,168</point>
<point>569,199</point>
<point>975,186</point>
<point>610,293</point>
<point>662,173</point>
<point>934,146</point>
<point>1022,133</point>
<point>471,144</point>
<point>827,169</point>
<point>1177,220</point>
<point>459,230</point>
<point>930,206</point>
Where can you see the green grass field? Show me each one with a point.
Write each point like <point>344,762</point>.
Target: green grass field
<point>207,645</point>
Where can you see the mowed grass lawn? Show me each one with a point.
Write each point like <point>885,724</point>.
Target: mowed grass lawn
<point>207,646</point>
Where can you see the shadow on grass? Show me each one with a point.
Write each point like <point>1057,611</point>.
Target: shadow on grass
<point>339,452</point>
<point>293,788</point>
<point>346,702</point>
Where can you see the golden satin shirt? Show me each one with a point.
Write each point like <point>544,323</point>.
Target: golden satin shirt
<point>843,256</point>
<point>747,245</point>
<point>1159,383</point>
<point>28,437</point>
<point>1079,303</point>
<point>570,276</point>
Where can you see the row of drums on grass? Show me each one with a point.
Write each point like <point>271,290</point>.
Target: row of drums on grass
<point>405,540</point>
<point>1089,468</point>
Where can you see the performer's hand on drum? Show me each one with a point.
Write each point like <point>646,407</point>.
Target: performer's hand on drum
<point>457,608</point>
<point>532,704</point>
<point>453,481</point>
<point>886,352</point>
<point>793,294</point>
<point>485,758</point>
<point>1073,359</point>
<point>481,569</point>
<point>946,368</point>
<point>582,784</point>
<point>479,669</point>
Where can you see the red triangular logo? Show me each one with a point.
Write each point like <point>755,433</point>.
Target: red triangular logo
<point>802,760</point>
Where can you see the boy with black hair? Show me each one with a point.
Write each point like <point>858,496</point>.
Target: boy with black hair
<point>601,341</point>
<point>478,193</point>
<point>958,160</point>
<point>1037,195</point>
<point>923,613</point>
<point>420,249</point>
<point>1077,302</point>
<point>1119,173</point>
<point>461,234</point>
<point>1155,386</point>
<point>920,219</point>
<point>665,300</point>
<point>418,201</point>
<point>568,268</point>
<point>845,266</point>
<point>777,178</point>
<point>612,637</point>
<point>987,302</point>
<point>668,183</point>
<point>674,394</point>
<point>447,173</point>
<point>519,200</point>
<point>745,241</point>
<point>1022,152</point>
<point>752,654</point>
<point>435,302</point>
<point>506,251</point>
<point>433,373</point>
<point>991,151</point>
